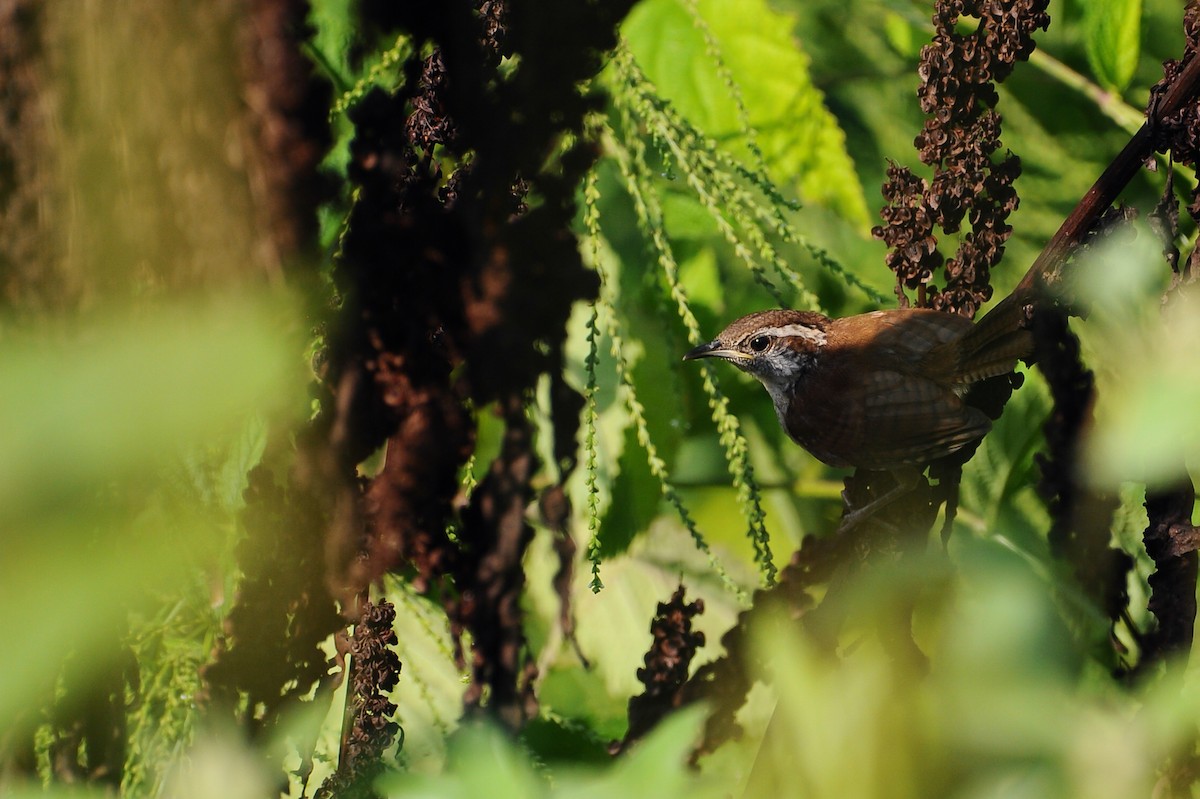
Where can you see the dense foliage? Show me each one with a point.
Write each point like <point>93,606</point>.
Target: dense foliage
<point>350,453</point>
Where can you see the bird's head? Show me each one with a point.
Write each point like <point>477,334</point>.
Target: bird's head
<point>777,347</point>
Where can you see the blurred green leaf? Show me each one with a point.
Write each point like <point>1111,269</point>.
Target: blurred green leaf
<point>996,493</point>
<point>94,523</point>
<point>997,711</point>
<point>35,790</point>
<point>486,763</point>
<point>1147,375</point>
<point>333,35</point>
<point>656,766</point>
<point>703,279</point>
<point>900,34</point>
<point>551,739</point>
<point>92,404</point>
<point>1112,34</point>
<point>483,762</point>
<point>215,471</point>
<point>220,766</point>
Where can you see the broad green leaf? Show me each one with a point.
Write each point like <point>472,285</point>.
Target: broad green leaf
<point>569,691</point>
<point>655,766</point>
<point>703,279</point>
<point>220,766</point>
<point>1113,37</point>
<point>333,32</point>
<point>1002,697</point>
<point>900,34</point>
<point>997,483</point>
<point>428,696</point>
<point>568,741</point>
<point>614,625</point>
<point>800,140</point>
<point>483,762</point>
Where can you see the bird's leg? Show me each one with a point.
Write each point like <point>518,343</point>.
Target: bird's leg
<point>906,478</point>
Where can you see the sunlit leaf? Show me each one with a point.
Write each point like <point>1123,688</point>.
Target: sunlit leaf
<point>218,766</point>
<point>1113,38</point>
<point>800,139</point>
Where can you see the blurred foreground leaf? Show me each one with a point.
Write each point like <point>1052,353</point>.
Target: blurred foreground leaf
<point>92,404</point>
<point>484,762</point>
<point>97,413</point>
<point>999,709</point>
<point>1147,374</point>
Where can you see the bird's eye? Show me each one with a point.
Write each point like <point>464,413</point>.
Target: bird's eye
<point>760,343</point>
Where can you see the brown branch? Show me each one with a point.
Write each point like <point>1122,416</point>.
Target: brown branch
<point>1011,311</point>
<point>1111,182</point>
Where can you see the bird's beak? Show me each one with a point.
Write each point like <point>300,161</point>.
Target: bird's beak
<point>714,349</point>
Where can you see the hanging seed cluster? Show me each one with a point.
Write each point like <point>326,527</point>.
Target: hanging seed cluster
<point>959,140</point>
<point>667,665</point>
<point>376,670</point>
<point>455,297</point>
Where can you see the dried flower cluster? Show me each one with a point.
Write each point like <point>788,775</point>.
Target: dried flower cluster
<point>1171,539</point>
<point>376,670</point>
<point>959,140</point>
<point>428,124</point>
<point>270,648</point>
<point>438,319</point>
<point>667,664</point>
<point>1178,133</point>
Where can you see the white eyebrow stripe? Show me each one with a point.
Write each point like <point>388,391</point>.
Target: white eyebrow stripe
<point>799,331</point>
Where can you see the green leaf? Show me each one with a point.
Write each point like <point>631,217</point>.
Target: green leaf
<point>125,388</point>
<point>800,140</point>
<point>656,766</point>
<point>483,762</point>
<point>1113,37</point>
<point>997,484</point>
<point>428,696</point>
<point>486,763</point>
<point>900,34</point>
<point>1147,374</point>
<point>333,34</point>
<point>635,499</point>
<point>564,740</point>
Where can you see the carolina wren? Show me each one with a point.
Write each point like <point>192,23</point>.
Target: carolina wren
<point>881,390</point>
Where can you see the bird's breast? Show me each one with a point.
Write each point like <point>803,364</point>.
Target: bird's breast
<point>818,414</point>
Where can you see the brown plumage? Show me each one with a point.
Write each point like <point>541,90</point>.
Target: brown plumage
<point>880,390</point>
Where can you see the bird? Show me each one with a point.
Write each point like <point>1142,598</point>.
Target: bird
<point>881,391</point>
